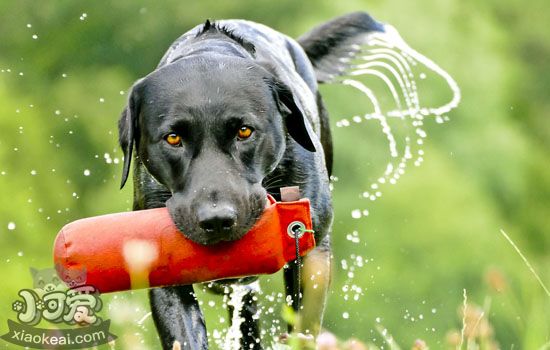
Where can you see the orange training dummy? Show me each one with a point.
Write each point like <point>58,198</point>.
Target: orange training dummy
<point>144,248</point>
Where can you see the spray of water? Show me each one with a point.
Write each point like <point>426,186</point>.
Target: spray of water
<point>234,335</point>
<point>388,58</point>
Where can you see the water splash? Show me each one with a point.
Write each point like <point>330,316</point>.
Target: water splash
<point>388,58</point>
<point>234,334</point>
<point>235,297</point>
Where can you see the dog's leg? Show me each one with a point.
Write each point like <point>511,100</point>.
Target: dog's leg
<point>178,318</point>
<point>316,274</point>
<point>315,281</point>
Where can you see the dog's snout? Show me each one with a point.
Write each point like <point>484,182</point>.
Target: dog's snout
<point>217,218</point>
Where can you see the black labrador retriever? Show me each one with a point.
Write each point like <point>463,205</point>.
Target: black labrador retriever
<point>231,113</point>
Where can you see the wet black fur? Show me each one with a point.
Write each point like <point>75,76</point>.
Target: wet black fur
<point>289,154</point>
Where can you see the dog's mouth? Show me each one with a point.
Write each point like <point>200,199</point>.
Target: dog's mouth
<point>220,228</point>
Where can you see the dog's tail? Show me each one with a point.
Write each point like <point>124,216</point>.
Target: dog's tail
<point>355,50</point>
<point>331,46</point>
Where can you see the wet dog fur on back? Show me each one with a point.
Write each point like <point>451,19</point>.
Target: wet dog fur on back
<point>231,113</point>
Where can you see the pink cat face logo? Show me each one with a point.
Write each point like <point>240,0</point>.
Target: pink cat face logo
<point>73,277</point>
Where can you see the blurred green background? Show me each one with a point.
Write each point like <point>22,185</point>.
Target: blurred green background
<point>65,67</point>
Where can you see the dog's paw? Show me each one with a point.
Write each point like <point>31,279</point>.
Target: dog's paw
<point>176,345</point>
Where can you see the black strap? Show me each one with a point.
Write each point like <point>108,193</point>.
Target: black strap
<point>289,194</point>
<point>296,297</point>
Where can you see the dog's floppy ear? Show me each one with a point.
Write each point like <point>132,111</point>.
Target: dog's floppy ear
<point>293,115</point>
<point>128,131</point>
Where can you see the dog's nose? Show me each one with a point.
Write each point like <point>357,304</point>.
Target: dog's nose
<point>217,218</point>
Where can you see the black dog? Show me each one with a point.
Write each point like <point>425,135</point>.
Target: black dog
<point>231,113</point>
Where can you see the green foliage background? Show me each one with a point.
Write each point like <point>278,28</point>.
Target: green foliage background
<point>429,237</point>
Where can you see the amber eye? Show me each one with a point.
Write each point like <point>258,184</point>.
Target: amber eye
<point>173,139</point>
<point>244,132</point>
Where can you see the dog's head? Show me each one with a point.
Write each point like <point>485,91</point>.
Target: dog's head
<point>210,130</point>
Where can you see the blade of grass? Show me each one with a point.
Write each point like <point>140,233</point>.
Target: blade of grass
<point>387,337</point>
<point>526,262</point>
<point>465,305</point>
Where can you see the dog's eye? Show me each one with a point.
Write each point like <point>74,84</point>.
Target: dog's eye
<point>173,139</point>
<point>244,132</point>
